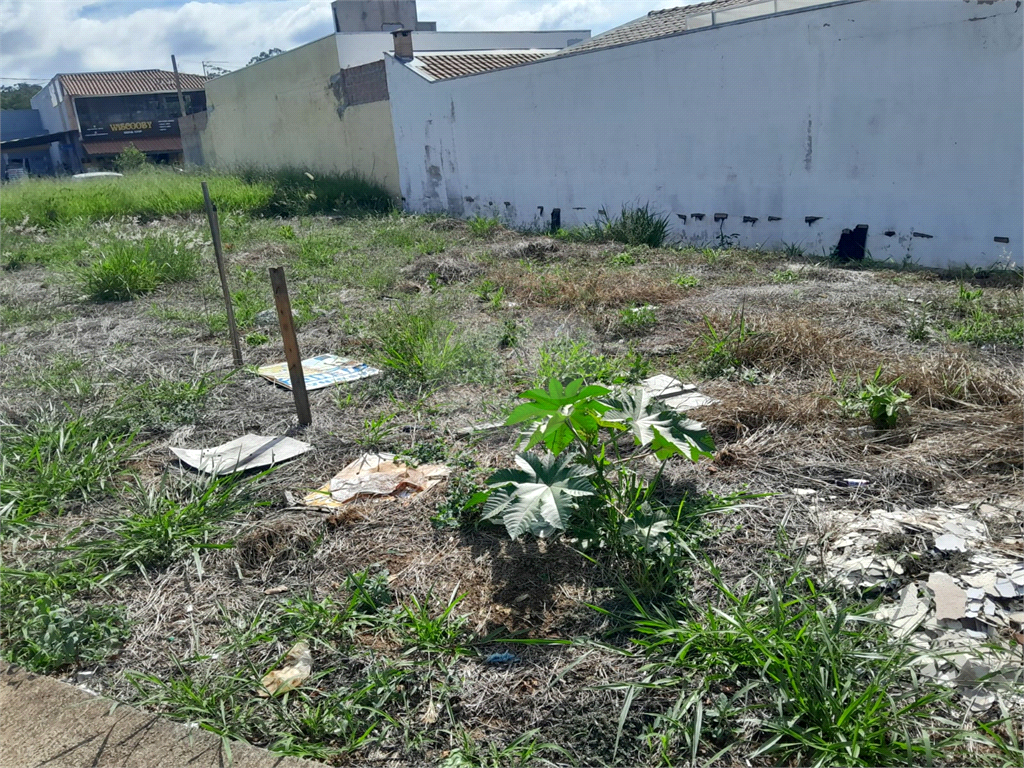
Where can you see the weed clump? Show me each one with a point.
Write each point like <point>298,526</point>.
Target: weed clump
<point>567,358</point>
<point>130,160</point>
<point>633,226</point>
<point>296,192</point>
<point>422,343</point>
<point>53,460</point>
<point>128,269</point>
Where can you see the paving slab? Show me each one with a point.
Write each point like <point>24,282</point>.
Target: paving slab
<point>47,722</point>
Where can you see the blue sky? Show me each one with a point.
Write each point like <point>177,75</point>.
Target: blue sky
<point>39,38</point>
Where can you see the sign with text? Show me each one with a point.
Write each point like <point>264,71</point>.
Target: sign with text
<point>157,127</point>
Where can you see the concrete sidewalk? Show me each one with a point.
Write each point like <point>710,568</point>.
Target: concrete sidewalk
<point>45,722</point>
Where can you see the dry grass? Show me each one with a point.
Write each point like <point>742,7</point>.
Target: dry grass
<point>960,444</point>
<point>582,290</point>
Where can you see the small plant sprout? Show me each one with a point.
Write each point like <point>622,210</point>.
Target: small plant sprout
<point>785,276</point>
<point>884,402</point>
<point>686,281</point>
<point>638,318</point>
<point>483,226</point>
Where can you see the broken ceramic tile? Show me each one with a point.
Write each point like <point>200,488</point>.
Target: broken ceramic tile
<point>950,600</point>
<point>948,542</point>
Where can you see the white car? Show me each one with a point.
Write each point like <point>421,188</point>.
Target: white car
<point>95,175</point>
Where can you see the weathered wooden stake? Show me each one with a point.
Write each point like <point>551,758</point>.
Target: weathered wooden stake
<point>211,214</point>
<point>291,345</point>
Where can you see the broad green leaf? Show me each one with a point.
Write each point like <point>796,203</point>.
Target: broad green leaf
<point>540,496</point>
<point>666,431</point>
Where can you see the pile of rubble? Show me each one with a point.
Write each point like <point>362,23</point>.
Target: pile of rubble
<point>957,576</point>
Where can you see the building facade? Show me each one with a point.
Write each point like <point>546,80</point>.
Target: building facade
<point>755,123</point>
<point>323,107</point>
<point>101,113</point>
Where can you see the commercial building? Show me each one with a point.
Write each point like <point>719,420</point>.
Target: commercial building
<point>97,114</point>
<point>22,153</point>
<point>324,107</point>
<point>754,123</point>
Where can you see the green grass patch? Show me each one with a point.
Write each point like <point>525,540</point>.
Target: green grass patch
<point>149,194</point>
<point>567,358</point>
<point>296,192</point>
<point>127,269</point>
<point>169,522</point>
<point>420,342</point>
<point>787,672</point>
<point>53,461</point>
<point>161,401</point>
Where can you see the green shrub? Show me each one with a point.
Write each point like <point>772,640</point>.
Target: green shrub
<point>581,486</point>
<point>130,159</point>
<point>883,403</point>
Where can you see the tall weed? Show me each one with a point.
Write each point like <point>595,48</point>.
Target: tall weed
<point>422,343</point>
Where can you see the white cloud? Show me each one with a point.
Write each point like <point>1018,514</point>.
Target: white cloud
<point>42,37</point>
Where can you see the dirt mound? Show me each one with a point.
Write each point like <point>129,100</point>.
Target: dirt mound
<point>527,249</point>
<point>445,269</point>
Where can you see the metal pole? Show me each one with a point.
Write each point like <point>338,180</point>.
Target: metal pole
<point>211,214</point>
<point>291,345</point>
<point>177,84</point>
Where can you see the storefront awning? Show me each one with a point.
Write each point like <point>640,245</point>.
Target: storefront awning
<point>149,146</point>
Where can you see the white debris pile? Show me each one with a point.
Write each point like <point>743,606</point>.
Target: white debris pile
<point>965,613</point>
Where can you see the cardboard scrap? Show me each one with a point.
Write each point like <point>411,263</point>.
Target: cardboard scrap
<point>376,476</point>
<point>244,453</point>
<point>674,393</point>
<point>298,665</point>
<point>319,372</point>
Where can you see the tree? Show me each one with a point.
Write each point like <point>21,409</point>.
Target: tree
<point>264,55</point>
<point>18,96</point>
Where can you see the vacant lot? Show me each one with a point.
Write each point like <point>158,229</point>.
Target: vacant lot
<point>726,643</point>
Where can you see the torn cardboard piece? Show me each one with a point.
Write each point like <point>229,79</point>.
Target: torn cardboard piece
<point>674,393</point>
<point>376,476</point>
<point>244,453</point>
<point>319,372</point>
<point>298,665</point>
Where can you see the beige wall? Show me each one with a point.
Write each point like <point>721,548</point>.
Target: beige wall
<point>284,112</point>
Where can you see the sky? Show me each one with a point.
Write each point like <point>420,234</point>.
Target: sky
<point>39,38</point>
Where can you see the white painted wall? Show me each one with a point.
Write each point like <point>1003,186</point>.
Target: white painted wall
<point>356,48</point>
<point>905,116</point>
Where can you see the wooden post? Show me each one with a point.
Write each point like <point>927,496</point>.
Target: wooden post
<point>291,345</point>
<point>211,214</point>
<point>177,84</point>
